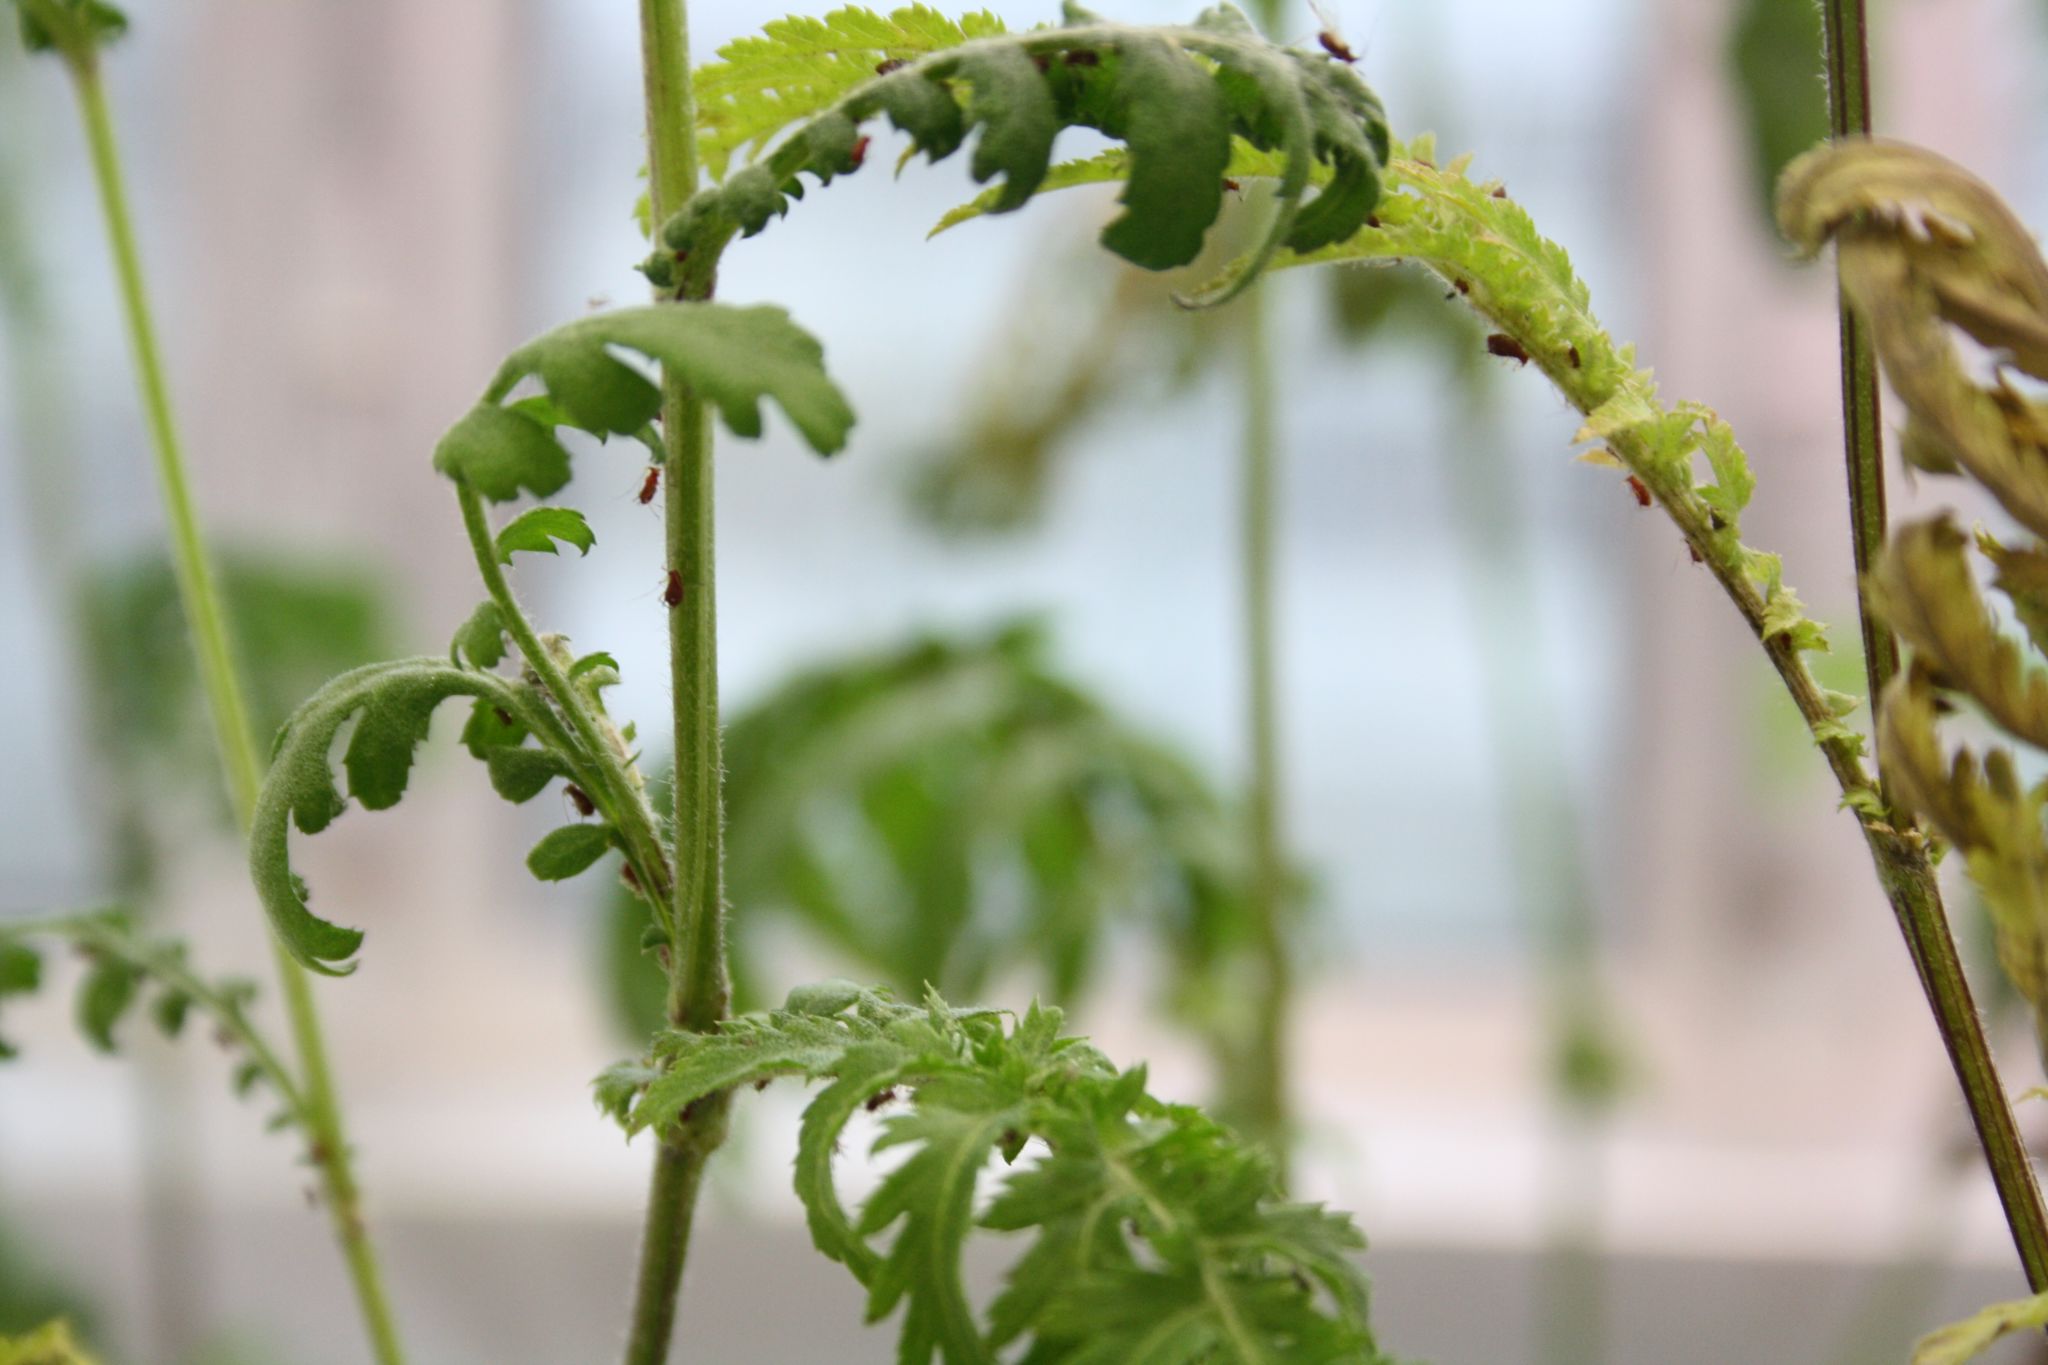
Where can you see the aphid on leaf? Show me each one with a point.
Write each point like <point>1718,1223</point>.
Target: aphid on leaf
<point>1694,551</point>
<point>1642,492</point>
<point>673,593</point>
<point>650,484</point>
<point>1231,185</point>
<point>1500,191</point>
<point>580,799</point>
<point>892,64</point>
<point>1716,521</point>
<point>1571,353</point>
<point>504,718</point>
<point>880,1098</point>
<point>1507,348</point>
<point>762,1084</point>
<point>630,878</point>
<point>859,155</point>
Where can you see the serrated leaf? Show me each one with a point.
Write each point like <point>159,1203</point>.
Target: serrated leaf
<point>391,705</point>
<point>564,852</point>
<point>481,640</point>
<point>1176,95</point>
<point>538,528</point>
<point>732,357</point>
<point>1156,1236</point>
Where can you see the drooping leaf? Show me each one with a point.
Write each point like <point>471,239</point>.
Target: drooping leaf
<point>481,640</point>
<point>391,705</point>
<point>1155,1235</point>
<point>732,357</point>
<point>538,528</point>
<point>1176,96</point>
<point>564,852</point>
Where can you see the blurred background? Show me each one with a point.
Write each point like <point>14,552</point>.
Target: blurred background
<point>1602,1028</point>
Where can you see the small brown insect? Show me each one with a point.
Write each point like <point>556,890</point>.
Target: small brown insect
<point>1231,185</point>
<point>1336,47</point>
<point>1042,62</point>
<point>1571,353</point>
<point>580,799</point>
<point>762,1084</point>
<point>880,1098</point>
<point>893,64</point>
<point>1507,348</point>
<point>1642,492</point>
<point>504,716</point>
<point>1372,220</point>
<point>1716,521</point>
<point>650,484</point>
<point>1462,286</point>
<point>1083,57</point>
<point>1500,191</point>
<point>630,878</point>
<point>673,593</point>
<point>859,155</point>
<point>1694,551</point>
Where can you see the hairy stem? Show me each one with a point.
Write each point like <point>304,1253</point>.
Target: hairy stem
<point>620,797</point>
<point>1848,63</point>
<point>239,755</point>
<point>699,991</point>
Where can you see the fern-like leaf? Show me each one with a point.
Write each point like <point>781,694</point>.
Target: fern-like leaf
<point>1175,96</point>
<point>732,357</point>
<point>390,705</point>
<point>1155,1236</point>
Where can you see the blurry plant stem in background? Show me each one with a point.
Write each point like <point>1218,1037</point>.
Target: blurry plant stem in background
<point>1909,879</point>
<point>1258,1102</point>
<point>1553,891</point>
<point>173,1216</point>
<point>239,755</point>
<point>699,983</point>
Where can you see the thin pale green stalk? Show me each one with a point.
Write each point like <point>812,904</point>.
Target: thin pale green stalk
<point>699,993</point>
<point>1848,71</point>
<point>1261,1097</point>
<point>1916,897</point>
<point>239,755</point>
<point>1263,1092</point>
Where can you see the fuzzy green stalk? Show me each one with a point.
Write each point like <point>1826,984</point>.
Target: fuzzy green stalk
<point>699,987</point>
<point>327,1141</point>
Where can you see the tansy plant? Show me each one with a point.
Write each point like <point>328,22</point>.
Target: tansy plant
<point>1154,1233</point>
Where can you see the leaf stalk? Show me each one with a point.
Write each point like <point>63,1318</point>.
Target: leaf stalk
<point>243,767</point>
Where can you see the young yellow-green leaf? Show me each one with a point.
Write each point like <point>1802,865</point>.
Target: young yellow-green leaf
<point>538,528</point>
<point>1962,1341</point>
<point>50,1344</point>
<point>481,640</point>
<point>564,852</point>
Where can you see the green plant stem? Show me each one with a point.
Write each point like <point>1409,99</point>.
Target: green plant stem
<point>623,802</point>
<point>239,755</point>
<point>1848,73</point>
<point>699,990</point>
<point>1264,1093</point>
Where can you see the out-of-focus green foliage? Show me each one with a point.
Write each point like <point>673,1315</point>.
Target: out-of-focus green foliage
<point>28,1296</point>
<point>1774,49</point>
<point>50,1344</point>
<point>1926,250</point>
<point>953,811</point>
